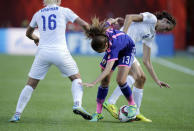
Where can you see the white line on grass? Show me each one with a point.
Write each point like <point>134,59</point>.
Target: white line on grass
<point>174,66</point>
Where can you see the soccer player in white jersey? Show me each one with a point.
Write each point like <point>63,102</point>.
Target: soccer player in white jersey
<point>141,28</point>
<point>52,50</point>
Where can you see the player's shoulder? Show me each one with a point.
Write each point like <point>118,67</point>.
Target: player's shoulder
<point>147,16</point>
<point>66,9</point>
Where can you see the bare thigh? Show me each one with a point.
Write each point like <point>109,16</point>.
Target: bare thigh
<point>122,75</point>
<point>138,74</point>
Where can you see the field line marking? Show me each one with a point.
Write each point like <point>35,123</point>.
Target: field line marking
<point>174,66</point>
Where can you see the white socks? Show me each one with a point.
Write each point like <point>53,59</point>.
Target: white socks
<point>137,96</point>
<point>117,92</point>
<point>77,92</point>
<point>130,80</point>
<point>24,98</point>
<point>115,95</point>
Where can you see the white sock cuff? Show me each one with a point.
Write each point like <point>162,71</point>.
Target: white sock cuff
<point>28,87</point>
<point>77,81</point>
<point>135,89</point>
<point>130,80</point>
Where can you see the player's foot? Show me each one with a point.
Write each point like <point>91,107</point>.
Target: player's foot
<point>140,117</point>
<point>80,111</point>
<point>132,111</point>
<point>111,108</point>
<point>15,118</point>
<point>96,117</point>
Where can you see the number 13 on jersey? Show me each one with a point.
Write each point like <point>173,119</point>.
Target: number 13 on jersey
<point>49,22</point>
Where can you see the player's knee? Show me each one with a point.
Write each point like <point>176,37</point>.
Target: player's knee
<point>33,82</point>
<point>76,76</point>
<point>120,82</point>
<point>105,82</point>
<point>141,79</point>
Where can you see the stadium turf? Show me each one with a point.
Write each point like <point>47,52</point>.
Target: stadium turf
<point>50,107</point>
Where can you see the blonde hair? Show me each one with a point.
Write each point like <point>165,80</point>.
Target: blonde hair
<point>50,2</point>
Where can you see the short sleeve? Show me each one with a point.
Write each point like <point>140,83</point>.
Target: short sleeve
<point>70,15</point>
<point>149,18</point>
<point>33,22</point>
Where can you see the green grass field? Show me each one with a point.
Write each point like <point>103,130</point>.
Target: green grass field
<point>50,107</point>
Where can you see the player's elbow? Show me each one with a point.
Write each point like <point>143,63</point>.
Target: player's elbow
<point>28,34</point>
<point>146,62</point>
<point>129,17</point>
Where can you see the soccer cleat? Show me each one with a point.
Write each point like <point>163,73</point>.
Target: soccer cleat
<point>140,117</point>
<point>132,111</point>
<point>111,108</point>
<point>15,118</point>
<point>96,117</point>
<point>80,111</point>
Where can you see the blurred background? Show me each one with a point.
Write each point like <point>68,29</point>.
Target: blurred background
<point>50,107</point>
<point>16,15</point>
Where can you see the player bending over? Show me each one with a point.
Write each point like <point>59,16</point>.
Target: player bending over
<point>52,50</point>
<point>141,28</point>
<point>120,51</point>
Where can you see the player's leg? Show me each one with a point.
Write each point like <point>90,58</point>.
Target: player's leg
<point>24,98</point>
<point>110,104</point>
<point>38,71</point>
<point>68,67</point>
<point>140,78</point>
<point>126,90</point>
<point>101,95</point>
<point>77,93</point>
<point>117,92</point>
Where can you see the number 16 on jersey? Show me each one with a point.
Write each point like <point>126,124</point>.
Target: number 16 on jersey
<point>49,22</point>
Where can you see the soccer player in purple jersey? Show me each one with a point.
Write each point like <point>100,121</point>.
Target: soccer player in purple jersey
<point>119,51</point>
<point>141,28</point>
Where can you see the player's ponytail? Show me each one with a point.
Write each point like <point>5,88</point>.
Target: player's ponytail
<point>97,32</point>
<point>96,28</point>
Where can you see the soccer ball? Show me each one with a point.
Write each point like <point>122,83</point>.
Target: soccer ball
<point>123,113</point>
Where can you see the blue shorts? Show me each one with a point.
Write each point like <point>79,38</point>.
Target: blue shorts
<point>124,59</point>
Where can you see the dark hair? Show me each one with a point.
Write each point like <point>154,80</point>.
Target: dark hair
<point>97,32</point>
<point>164,14</point>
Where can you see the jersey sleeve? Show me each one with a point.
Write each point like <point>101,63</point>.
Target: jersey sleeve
<point>149,18</point>
<point>70,15</point>
<point>33,22</point>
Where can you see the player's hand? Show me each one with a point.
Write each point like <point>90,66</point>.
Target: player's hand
<point>115,21</point>
<point>119,20</point>
<point>88,84</point>
<point>162,84</point>
<point>36,41</point>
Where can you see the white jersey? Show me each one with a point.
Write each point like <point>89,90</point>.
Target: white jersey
<point>143,31</point>
<point>51,22</point>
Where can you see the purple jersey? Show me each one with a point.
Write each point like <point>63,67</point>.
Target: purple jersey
<point>121,48</point>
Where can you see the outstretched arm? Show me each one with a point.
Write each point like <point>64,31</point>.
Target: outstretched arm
<point>148,65</point>
<point>30,35</point>
<point>131,18</point>
<point>106,71</point>
<point>82,23</point>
